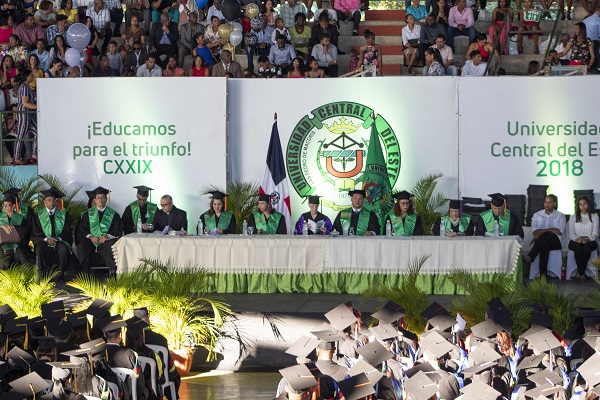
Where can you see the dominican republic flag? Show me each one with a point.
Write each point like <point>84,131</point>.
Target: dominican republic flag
<point>274,180</point>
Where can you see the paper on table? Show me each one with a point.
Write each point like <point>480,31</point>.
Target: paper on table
<point>166,230</point>
<point>213,232</point>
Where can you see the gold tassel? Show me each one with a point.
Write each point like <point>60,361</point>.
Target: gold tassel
<point>504,208</point>
<point>75,380</point>
<point>32,391</point>
<point>108,197</point>
<point>25,345</point>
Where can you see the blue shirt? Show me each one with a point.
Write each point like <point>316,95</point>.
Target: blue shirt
<point>418,12</point>
<point>592,25</point>
<point>279,56</point>
<point>43,59</point>
<point>206,55</point>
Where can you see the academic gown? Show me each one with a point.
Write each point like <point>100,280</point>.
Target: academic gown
<point>86,248</point>
<point>176,220</point>
<point>514,229</point>
<point>129,225</point>
<point>281,227</point>
<point>230,229</point>
<point>20,252</point>
<point>307,216</point>
<point>48,257</point>
<point>455,228</point>
<point>373,225</point>
<point>418,229</point>
<point>125,358</point>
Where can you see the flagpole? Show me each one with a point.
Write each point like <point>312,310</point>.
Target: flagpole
<point>275,117</point>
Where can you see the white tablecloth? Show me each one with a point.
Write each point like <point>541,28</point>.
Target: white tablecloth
<point>317,255</point>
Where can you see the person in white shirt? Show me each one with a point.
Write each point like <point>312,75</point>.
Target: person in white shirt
<point>474,66</point>
<point>411,34</point>
<point>583,233</point>
<point>150,69</point>
<point>547,226</point>
<point>215,11</point>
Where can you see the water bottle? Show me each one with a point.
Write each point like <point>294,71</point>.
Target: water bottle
<point>442,229</point>
<point>388,229</point>
<point>245,228</point>
<point>496,229</point>
<point>305,228</point>
<point>200,228</point>
<point>138,226</point>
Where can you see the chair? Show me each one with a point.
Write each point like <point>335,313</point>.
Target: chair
<point>114,389</point>
<point>572,265</point>
<point>144,361</point>
<point>554,265</point>
<point>123,373</point>
<point>164,355</point>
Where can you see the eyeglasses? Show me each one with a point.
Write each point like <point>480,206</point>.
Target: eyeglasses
<point>165,205</point>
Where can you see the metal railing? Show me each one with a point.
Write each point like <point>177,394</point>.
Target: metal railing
<point>4,139</point>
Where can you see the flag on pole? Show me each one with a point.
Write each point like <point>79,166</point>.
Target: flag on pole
<point>376,182</point>
<point>274,180</point>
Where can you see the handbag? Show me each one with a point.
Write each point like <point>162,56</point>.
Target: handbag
<point>10,238</point>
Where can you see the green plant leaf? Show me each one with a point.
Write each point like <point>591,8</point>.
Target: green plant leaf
<point>241,199</point>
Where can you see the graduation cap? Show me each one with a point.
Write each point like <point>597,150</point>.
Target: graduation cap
<point>7,313</point>
<point>363,367</point>
<point>590,371</point>
<point>543,390</point>
<point>77,320</point>
<point>529,362</point>
<point>101,190</point>
<point>135,326</point>
<point>500,314</point>
<point>357,191</point>
<point>434,309</point>
<point>90,194</point>
<point>11,198</point>
<point>328,337</point>
<point>402,195</point>
<point>436,344</point>
<point>486,329</point>
<point>479,390</point>
<point>141,313</point>
<point>441,322</point>
<point>544,340</point>
<point>19,358</point>
<point>391,312</point>
<point>541,319</point>
<point>13,191</point>
<point>498,199</point>
<point>303,346</point>
<point>534,329</point>
<point>30,385</point>
<point>314,199</point>
<point>17,327</point>
<point>454,204</point>
<point>408,337</point>
<point>356,387</point>
<point>53,192</point>
<point>590,317</point>
<point>37,325</point>
<point>341,317</point>
<point>420,386</point>
<point>99,308</point>
<point>44,342</point>
<point>54,310</point>
<point>384,332</point>
<point>478,368</point>
<point>113,323</point>
<point>299,378</point>
<point>143,190</point>
<point>484,353</point>
<point>545,376</point>
<point>425,367</point>
<point>59,328</point>
<point>217,195</point>
<point>264,197</point>
<point>374,353</point>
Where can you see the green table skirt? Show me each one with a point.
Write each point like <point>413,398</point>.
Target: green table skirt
<point>353,283</point>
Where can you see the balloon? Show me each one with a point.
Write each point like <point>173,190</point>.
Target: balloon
<point>72,57</point>
<point>82,58</point>
<point>250,39</point>
<point>236,38</point>
<point>257,23</point>
<point>231,9</point>
<point>228,46</point>
<point>252,10</point>
<point>236,27</point>
<point>224,31</point>
<point>201,3</point>
<point>78,36</point>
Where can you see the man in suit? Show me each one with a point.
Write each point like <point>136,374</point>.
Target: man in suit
<point>163,39</point>
<point>187,33</point>
<point>226,65</point>
<point>364,222</point>
<point>136,57</point>
<point>51,233</point>
<point>169,216</point>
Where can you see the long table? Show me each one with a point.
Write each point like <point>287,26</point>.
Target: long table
<point>315,264</point>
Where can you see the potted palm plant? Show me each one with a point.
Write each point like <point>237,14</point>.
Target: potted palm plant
<point>241,199</point>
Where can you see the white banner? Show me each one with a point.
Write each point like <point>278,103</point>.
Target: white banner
<point>520,131</point>
<point>325,127</point>
<point>168,134</point>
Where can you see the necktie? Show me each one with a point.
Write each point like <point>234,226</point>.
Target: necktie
<point>227,68</point>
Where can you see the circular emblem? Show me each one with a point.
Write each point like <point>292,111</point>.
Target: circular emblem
<point>275,197</point>
<point>327,153</point>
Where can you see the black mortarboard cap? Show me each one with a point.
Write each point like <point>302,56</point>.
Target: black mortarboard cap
<point>402,195</point>
<point>328,336</point>
<point>498,199</point>
<point>19,358</point>
<point>92,347</point>
<point>101,190</point>
<point>486,329</point>
<point>589,370</point>
<point>484,353</point>
<point>44,342</point>
<point>10,198</point>
<point>391,312</point>
<point>541,319</point>
<point>590,317</point>
<point>264,197</point>
<point>436,344</point>
<point>500,314</point>
<point>314,199</point>
<point>341,317</point>
<point>545,376</point>
<point>374,353</point>
<point>143,190</point>
<point>420,386</point>
<point>16,326</point>
<point>357,191</point>
<point>363,367</point>
<point>384,331</point>
<point>543,390</point>
<point>356,387</point>
<point>529,362</point>
<point>136,326</point>
<point>54,310</point>
<point>90,194</point>
<point>454,204</point>
<point>543,340</point>
<point>442,322</point>
<point>53,192</point>
<point>112,323</point>
<point>36,325</point>
<point>77,319</point>
<point>217,195</point>
<point>7,313</point>
<point>409,337</point>
<point>99,308</point>
<point>14,191</point>
<point>298,378</point>
<point>425,367</point>
<point>141,312</point>
<point>434,309</point>
<point>478,368</point>
<point>303,346</point>
<point>478,389</point>
<point>30,385</point>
